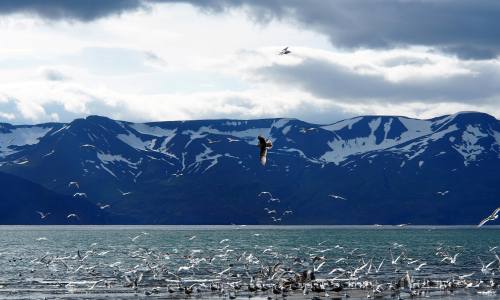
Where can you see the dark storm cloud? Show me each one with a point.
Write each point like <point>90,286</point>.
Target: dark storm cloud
<point>333,81</point>
<point>470,29</point>
<point>80,10</point>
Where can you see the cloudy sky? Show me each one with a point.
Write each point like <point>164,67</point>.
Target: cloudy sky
<point>173,60</point>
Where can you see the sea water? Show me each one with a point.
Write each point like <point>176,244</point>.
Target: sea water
<point>101,261</point>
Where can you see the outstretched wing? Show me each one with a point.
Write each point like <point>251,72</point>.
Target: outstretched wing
<point>269,144</point>
<point>496,211</point>
<point>483,222</point>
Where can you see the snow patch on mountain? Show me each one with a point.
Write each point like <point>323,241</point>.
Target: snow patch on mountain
<point>469,148</point>
<point>248,135</point>
<point>153,130</point>
<point>134,141</point>
<point>342,124</point>
<point>21,137</point>
<point>206,156</point>
<point>111,159</point>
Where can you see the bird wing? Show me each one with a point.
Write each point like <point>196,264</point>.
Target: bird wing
<point>262,140</point>
<point>496,211</point>
<point>483,222</point>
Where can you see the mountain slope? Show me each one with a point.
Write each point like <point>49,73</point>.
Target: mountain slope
<point>390,169</point>
<point>22,200</point>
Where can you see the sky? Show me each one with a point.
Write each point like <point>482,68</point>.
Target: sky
<point>143,61</point>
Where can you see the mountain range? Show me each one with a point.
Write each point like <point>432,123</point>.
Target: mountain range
<point>364,170</point>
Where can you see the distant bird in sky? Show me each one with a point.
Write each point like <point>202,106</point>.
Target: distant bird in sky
<point>80,195</point>
<point>443,193</point>
<point>491,217</point>
<point>124,193</point>
<point>285,51</point>
<point>231,140</point>
<point>73,184</point>
<point>212,141</point>
<point>104,206</point>
<point>43,215</point>
<point>264,145</point>
<point>337,197</point>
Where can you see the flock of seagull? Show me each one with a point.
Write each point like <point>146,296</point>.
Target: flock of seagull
<point>74,185</point>
<point>224,269</point>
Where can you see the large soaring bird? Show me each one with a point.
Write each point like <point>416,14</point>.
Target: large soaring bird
<point>264,145</point>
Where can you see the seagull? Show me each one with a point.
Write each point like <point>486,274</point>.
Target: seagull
<point>419,267</point>
<point>43,215</point>
<point>276,219</point>
<point>80,195</point>
<point>72,216</point>
<point>306,130</point>
<point>212,142</point>
<point>491,217</point>
<point>124,193</point>
<point>230,140</point>
<point>73,184</point>
<point>285,51</point>
<point>443,193</point>
<point>104,206</point>
<point>133,239</point>
<point>264,145</point>
<point>265,193</point>
<point>337,197</point>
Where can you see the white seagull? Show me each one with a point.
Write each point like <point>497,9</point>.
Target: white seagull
<point>80,195</point>
<point>443,193</point>
<point>75,216</point>
<point>124,193</point>
<point>43,215</point>
<point>337,197</point>
<point>73,184</point>
<point>491,217</point>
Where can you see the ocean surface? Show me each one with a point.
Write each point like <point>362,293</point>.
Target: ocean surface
<point>223,262</point>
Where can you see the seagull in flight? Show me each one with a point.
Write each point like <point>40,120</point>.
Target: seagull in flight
<point>264,145</point>
<point>285,51</point>
<point>443,193</point>
<point>492,217</point>
<point>73,184</point>
<point>124,193</point>
<point>43,215</point>
<point>80,195</point>
<point>75,216</point>
<point>104,206</point>
<point>337,197</point>
<point>212,141</point>
<point>231,140</point>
